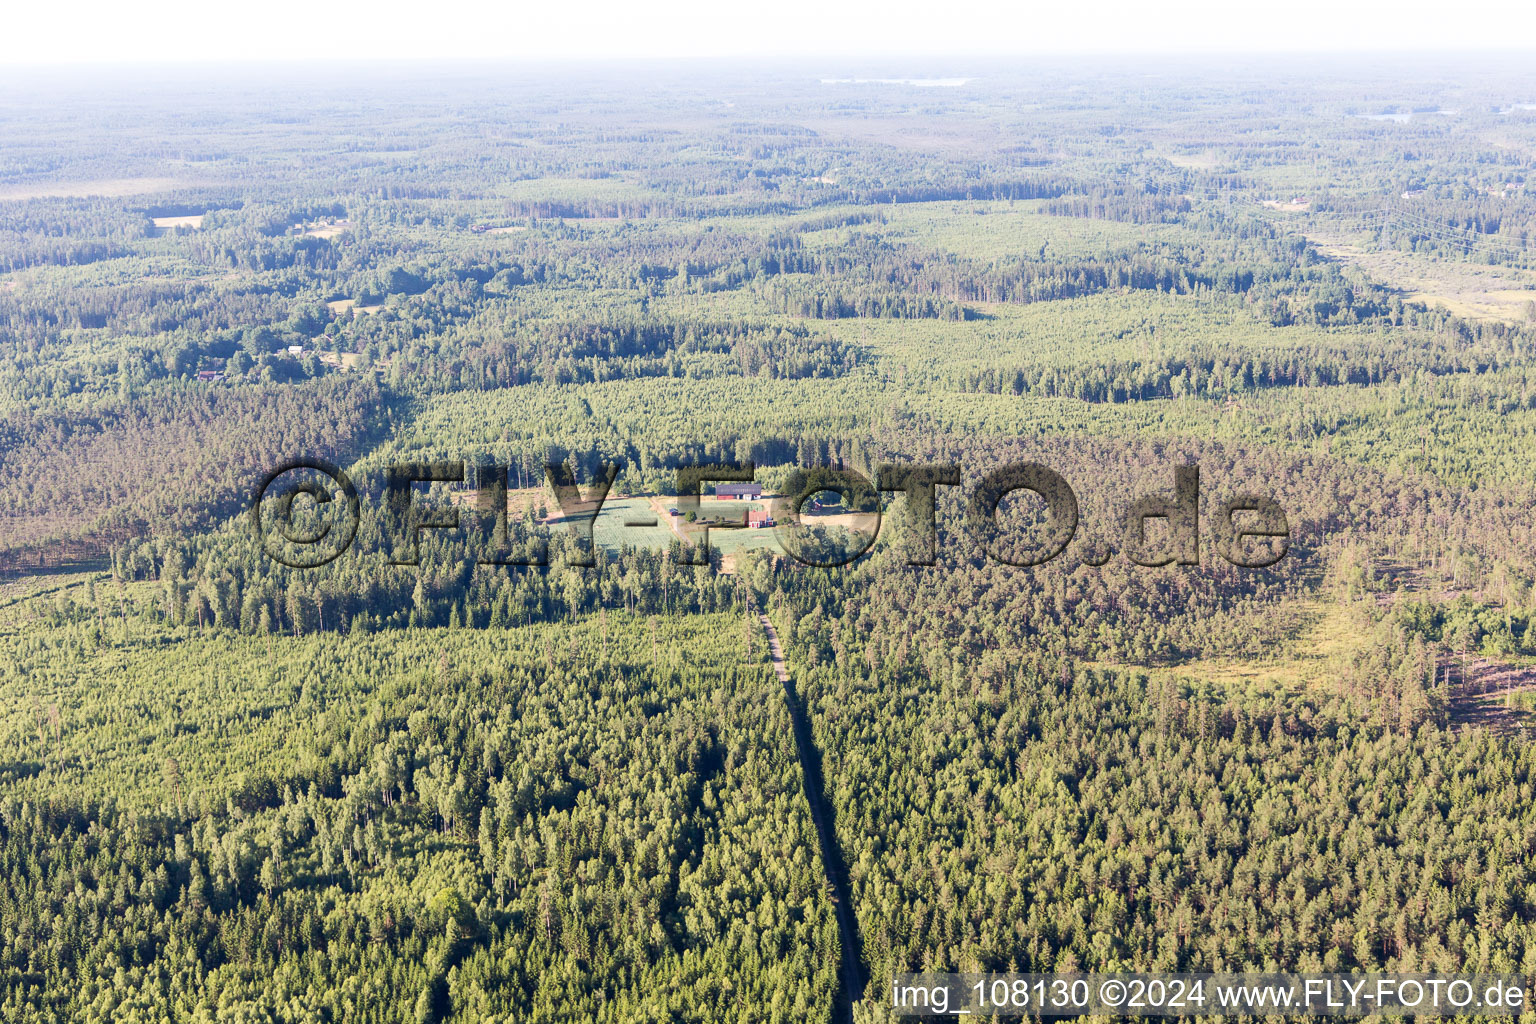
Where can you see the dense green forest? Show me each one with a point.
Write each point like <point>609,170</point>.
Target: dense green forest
<point>547,769</point>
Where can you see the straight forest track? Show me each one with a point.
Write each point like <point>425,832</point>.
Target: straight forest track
<point>836,871</point>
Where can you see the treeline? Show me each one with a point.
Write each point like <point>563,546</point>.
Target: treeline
<point>574,352</point>
<point>1407,353</point>
<point>1285,279</point>
<point>548,576</point>
<point>66,232</point>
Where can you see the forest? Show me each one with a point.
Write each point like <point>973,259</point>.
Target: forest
<point>561,769</point>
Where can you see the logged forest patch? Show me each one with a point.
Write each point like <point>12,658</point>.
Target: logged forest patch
<point>1475,291</point>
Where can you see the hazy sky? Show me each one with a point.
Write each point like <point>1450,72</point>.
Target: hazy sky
<point>98,31</point>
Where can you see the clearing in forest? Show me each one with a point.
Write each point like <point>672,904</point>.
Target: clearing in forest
<point>1465,289</point>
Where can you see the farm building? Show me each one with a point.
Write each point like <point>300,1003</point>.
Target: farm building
<point>749,491</point>
<point>759,517</point>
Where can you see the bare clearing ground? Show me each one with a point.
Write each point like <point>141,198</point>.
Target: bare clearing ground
<point>164,225</point>
<point>342,305</point>
<point>1466,289</point>
<point>1494,694</point>
<point>1193,161</point>
<point>327,230</point>
<point>1326,636</point>
<point>1484,693</point>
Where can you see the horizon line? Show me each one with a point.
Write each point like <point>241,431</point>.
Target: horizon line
<point>480,61</point>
